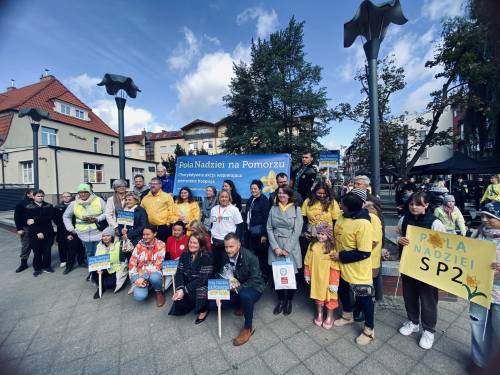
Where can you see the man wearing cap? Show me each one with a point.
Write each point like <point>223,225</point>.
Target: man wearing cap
<point>160,209</point>
<point>87,210</point>
<point>167,181</point>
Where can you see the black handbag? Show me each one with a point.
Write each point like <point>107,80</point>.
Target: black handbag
<point>101,225</point>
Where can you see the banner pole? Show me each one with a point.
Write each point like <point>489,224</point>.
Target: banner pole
<point>100,284</point>
<point>219,318</point>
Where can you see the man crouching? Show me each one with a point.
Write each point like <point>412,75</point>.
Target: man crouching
<point>241,267</point>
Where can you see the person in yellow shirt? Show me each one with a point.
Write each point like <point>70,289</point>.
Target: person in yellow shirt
<point>322,274</point>
<point>187,208</point>
<point>492,193</point>
<point>353,236</point>
<point>160,209</point>
<point>320,207</point>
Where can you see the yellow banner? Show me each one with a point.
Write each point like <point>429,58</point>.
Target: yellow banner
<point>455,264</point>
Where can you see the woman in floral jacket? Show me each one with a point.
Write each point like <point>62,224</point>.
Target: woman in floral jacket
<point>145,266</point>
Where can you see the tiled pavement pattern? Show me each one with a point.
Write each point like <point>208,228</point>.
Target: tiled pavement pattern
<point>51,325</point>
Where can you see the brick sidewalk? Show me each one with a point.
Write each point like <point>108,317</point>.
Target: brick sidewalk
<point>51,325</point>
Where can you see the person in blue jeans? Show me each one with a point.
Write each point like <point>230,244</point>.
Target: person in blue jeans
<point>242,268</point>
<point>485,324</point>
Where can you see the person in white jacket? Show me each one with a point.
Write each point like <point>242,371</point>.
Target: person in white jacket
<point>116,202</point>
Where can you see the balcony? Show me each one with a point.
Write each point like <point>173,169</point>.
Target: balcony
<point>189,137</point>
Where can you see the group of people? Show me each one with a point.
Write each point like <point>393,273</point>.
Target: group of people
<point>334,246</point>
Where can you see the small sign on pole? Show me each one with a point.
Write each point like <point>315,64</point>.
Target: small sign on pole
<point>99,263</point>
<point>125,218</point>
<point>169,268</point>
<point>219,289</point>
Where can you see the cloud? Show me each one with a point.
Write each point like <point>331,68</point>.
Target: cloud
<point>418,99</point>
<point>438,9</point>
<point>267,21</point>
<point>136,118</point>
<point>185,52</point>
<point>200,92</point>
<point>356,60</point>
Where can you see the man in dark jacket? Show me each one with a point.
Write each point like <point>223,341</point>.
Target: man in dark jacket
<point>167,181</point>
<point>305,177</point>
<point>246,283</point>
<point>460,192</point>
<point>281,181</point>
<point>22,229</point>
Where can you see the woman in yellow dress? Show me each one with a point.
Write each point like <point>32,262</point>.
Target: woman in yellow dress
<point>187,208</point>
<point>323,274</point>
<point>320,207</point>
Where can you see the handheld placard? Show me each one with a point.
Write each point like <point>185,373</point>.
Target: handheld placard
<point>125,218</point>
<point>219,289</point>
<point>169,268</point>
<point>98,263</point>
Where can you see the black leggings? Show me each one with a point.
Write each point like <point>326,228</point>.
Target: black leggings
<point>365,303</point>
<point>285,294</point>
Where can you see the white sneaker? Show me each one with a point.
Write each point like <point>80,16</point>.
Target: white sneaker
<point>426,340</point>
<point>408,328</point>
<point>62,265</point>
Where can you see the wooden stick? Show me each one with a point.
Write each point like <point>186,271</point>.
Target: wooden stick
<point>100,284</point>
<point>219,318</point>
<point>173,282</point>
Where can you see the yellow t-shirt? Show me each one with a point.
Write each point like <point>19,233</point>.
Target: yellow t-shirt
<point>352,234</point>
<point>160,208</point>
<point>315,213</point>
<point>376,237</point>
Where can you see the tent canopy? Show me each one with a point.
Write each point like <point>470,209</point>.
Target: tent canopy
<point>457,164</point>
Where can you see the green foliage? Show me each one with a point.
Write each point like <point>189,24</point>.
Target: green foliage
<point>276,101</point>
<point>171,161</point>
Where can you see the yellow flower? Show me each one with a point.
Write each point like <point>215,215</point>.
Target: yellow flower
<point>436,240</point>
<point>472,281</point>
<point>269,182</point>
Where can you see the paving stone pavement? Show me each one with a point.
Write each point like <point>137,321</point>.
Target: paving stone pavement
<point>51,325</point>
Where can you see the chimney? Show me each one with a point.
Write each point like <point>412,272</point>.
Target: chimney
<point>11,87</point>
<point>46,76</point>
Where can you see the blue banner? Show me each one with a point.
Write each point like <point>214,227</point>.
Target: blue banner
<point>198,172</point>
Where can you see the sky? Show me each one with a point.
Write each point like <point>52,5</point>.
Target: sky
<point>181,53</point>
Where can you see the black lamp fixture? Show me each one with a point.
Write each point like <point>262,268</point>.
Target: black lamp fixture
<point>120,86</point>
<point>371,22</point>
<point>36,115</point>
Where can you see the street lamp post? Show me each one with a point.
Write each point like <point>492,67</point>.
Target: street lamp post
<point>371,22</point>
<point>119,85</point>
<point>36,115</point>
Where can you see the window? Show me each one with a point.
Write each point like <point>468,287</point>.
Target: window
<point>141,152</point>
<point>422,134</point>
<point>128,152</point>
<point>172,148</point>
<point>112,147</point>
<point>152,169</point>
<point>96,144</point>
<point>193,146</point>
<point>65,109</point>
<point>137,171</point>
<point>27,172</point>
<point>208,145</point>
<point>163,149</point>
<point>80,114</point>
<point>202,130</point>
<point>92,172</point>
<point>49,136</point>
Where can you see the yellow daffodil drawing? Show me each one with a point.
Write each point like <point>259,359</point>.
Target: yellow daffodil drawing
<point>436,240</point>
<point>472,282</point>
<point>269,182</point>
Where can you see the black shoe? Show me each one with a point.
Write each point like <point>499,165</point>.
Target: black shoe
<point>279,308</point>
<point>88,277</point>
<point>201,320</point>
<point>48,270</point>
<point>358,316</point>
<point>22,267</point>
<point>67,270</point>
<point>36,273</point>
<point>96,294</point>
<point>287,308</point>
<point>83,265</point>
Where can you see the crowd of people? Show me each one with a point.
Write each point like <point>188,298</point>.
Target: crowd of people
<point>332,241</point>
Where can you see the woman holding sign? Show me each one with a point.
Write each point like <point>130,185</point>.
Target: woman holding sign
<point>131,234</point>
<point>108,245</point>
<point>284,226</point>
<point>145,266</point>
<point>195,267</point>
<point>485,325</point>
<point>187,208</point>
<point>421,299</point>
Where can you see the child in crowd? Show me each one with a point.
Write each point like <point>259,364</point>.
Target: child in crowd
<point>323,274</point>
<point>109,244</point>
<point>176,245</point>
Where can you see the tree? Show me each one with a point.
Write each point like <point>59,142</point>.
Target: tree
<point>276,100</point>
<point>171,161</point>
<point>398,140</point>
